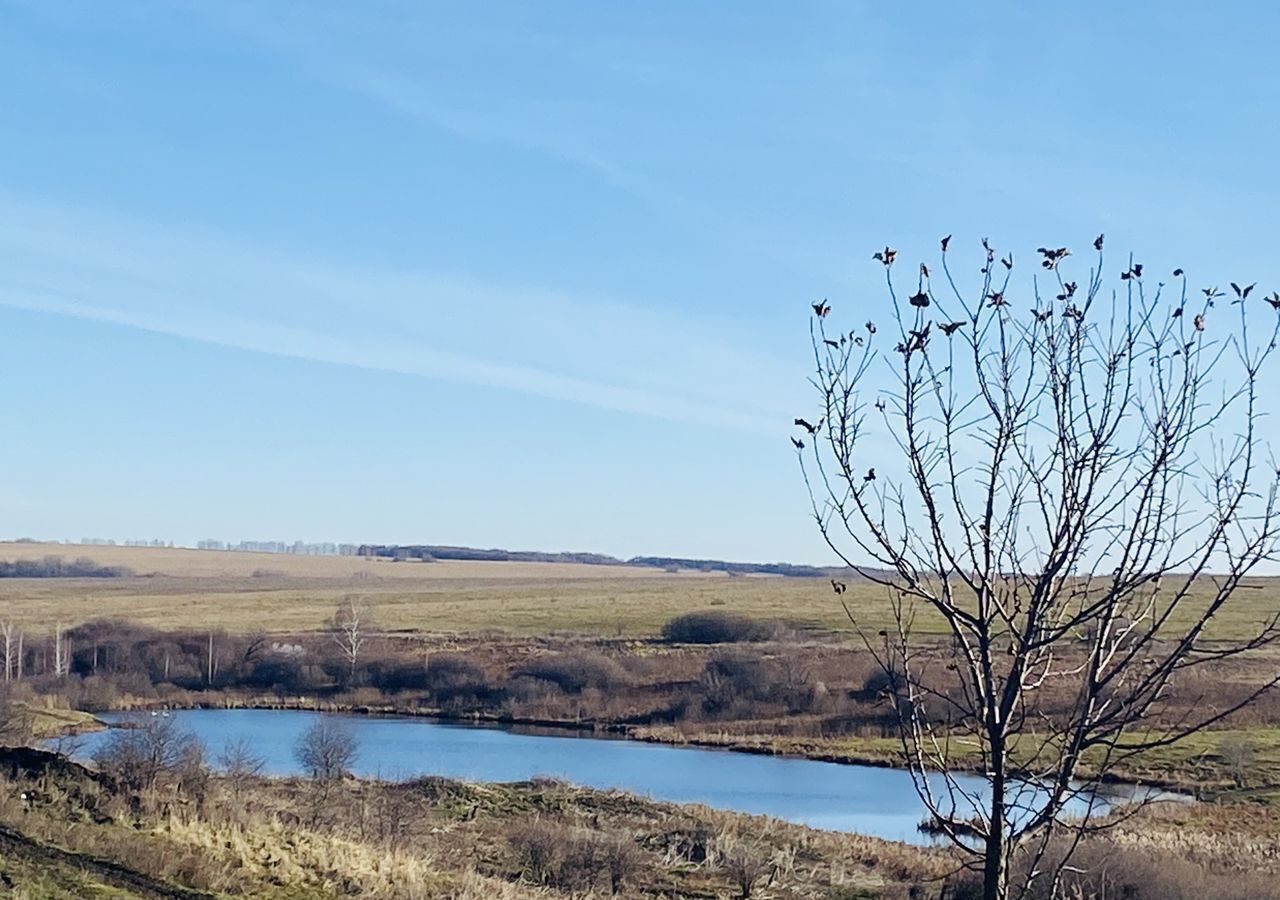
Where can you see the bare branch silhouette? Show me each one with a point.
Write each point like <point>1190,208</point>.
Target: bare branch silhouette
<point>1079,490</point>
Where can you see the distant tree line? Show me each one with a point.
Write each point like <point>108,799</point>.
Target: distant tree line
<point>431,552</point>
<point>57,567</point>
<point>717,565</point>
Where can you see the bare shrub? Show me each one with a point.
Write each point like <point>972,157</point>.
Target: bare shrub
<point>1237,753</point>
<point>731,680</point>
<point>620,859</point>
<point>574,672</point>
<point>191,772</point>
<point>540,849</point>
<point>964,887</point>
<point>571,858</point>
<point>717,627</point>
<point>327,749</point>
<point>744,863</point>
<point>239,763</point>
<point>456,682</point>
<point>151,752</point>
<point>393,812</point>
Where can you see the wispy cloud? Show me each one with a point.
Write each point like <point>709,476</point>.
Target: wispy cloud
<point>100,268</point>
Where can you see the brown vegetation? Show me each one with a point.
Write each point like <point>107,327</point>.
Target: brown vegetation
<point>809,697</point>
<point>437,838</point>
<point>766,687</point>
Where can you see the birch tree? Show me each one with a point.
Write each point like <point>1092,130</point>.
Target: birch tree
<point>350,628</point>
<point>10,645</point>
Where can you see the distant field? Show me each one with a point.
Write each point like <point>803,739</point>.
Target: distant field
<point>183,563</point>
<point>282,593</point>
<point>203,588</point>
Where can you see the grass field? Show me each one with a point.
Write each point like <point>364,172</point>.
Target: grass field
<point>192,588</point>
<point>184,563</point>
<point>283,593</point>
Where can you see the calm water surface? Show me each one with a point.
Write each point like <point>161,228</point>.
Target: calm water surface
<point>865,799</point>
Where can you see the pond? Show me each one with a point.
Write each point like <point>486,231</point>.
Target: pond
<point>864,799</point>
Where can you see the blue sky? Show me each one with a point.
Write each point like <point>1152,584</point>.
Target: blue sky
<point>537,275</point>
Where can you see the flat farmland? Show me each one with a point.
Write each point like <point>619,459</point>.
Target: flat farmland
<point>239,592</point>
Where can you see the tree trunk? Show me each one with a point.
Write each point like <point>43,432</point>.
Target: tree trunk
<point>995,884</point>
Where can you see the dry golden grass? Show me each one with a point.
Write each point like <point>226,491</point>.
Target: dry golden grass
<point>1225,835</point>
<point>194,588</point>
<point>436,838</point>
<point>600,606</point>
<point>204,588</point>
<point>48,722</point>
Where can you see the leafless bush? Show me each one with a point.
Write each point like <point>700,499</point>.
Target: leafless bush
<point>572,858</point>
<point>394,810</point>
<point>620,859</point>
<point>731,680</point>
<point>238,760</point>
<point>744,862</point>
<point>540,849</point>
<point>239,763</point>
<point>717,627</point>
<point>327,749</point>
<point>191,773</point>
<point>574,672</point>
<point>155,750</point>
<point>1238,752</point>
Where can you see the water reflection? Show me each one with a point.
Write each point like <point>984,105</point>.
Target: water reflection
<point>865,799</point>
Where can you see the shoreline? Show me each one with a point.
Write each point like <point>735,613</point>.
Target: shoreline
<point>663,735</point>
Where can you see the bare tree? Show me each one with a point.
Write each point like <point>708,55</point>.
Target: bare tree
<point>1068,481</point>
<point>152,751</point>
<point>744,862</point>
<point>1238,754</point>
<point>10,646</point>
<point>396,808</point>
<point>350,626</point>
<point>327,749</point>
<point>255,646</point>
<point>61,653</point>
<point>239,763</point>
